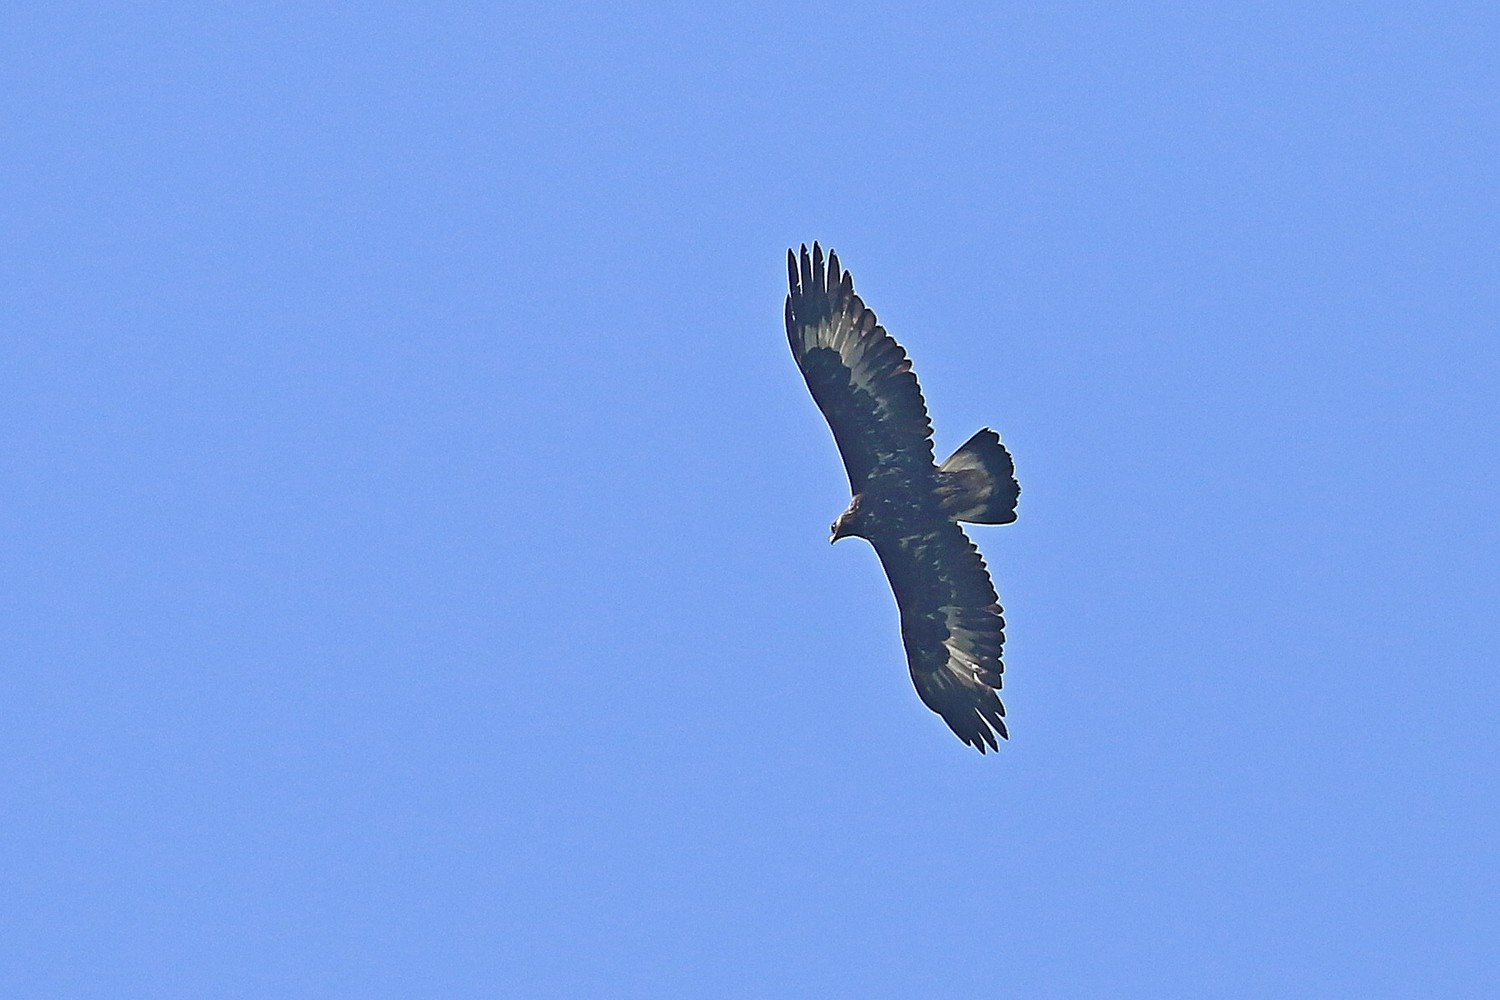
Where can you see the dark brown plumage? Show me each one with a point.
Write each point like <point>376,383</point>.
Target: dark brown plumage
<point>906,505</point>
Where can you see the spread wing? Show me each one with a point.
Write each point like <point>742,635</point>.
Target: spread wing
<point>859,376</point>
<point>951,625</point>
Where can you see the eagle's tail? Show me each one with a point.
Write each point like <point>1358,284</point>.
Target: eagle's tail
<point>978,482</point>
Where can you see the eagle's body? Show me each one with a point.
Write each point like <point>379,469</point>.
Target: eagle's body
<point>906,505</point>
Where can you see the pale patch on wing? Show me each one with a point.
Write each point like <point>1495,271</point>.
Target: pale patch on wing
<point>973,643</point>
<point>823,312</point>
<point>862,347</point>
<point>953,630</point>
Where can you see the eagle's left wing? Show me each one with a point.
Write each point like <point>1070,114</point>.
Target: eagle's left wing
<point>952,627</point>
<point>857,373</point>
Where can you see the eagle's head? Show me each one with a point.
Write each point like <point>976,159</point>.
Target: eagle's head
<point>847,522</point>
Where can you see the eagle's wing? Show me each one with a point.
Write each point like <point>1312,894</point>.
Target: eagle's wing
<point>951,625</point>
<point>857,373</point>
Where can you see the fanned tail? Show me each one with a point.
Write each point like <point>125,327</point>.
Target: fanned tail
<point>978,482</point>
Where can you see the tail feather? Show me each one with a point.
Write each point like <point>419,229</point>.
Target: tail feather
<point>978,482</point>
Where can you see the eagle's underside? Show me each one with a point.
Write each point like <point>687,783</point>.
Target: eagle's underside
<point>906,505</point>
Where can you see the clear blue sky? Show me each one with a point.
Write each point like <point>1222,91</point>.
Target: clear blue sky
<point>416,568</point>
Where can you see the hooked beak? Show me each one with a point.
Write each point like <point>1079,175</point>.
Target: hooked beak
<point>843,525</point>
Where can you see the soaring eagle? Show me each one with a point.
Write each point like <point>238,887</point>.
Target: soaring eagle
<point>906,505</point>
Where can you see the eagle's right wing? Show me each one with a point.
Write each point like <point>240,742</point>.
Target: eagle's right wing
<point>857,373</point>
<point>951,625</point>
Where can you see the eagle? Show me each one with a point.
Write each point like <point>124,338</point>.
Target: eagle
<point>905,504</point>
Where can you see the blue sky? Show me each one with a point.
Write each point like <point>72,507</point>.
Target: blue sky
<point>418,579</point>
